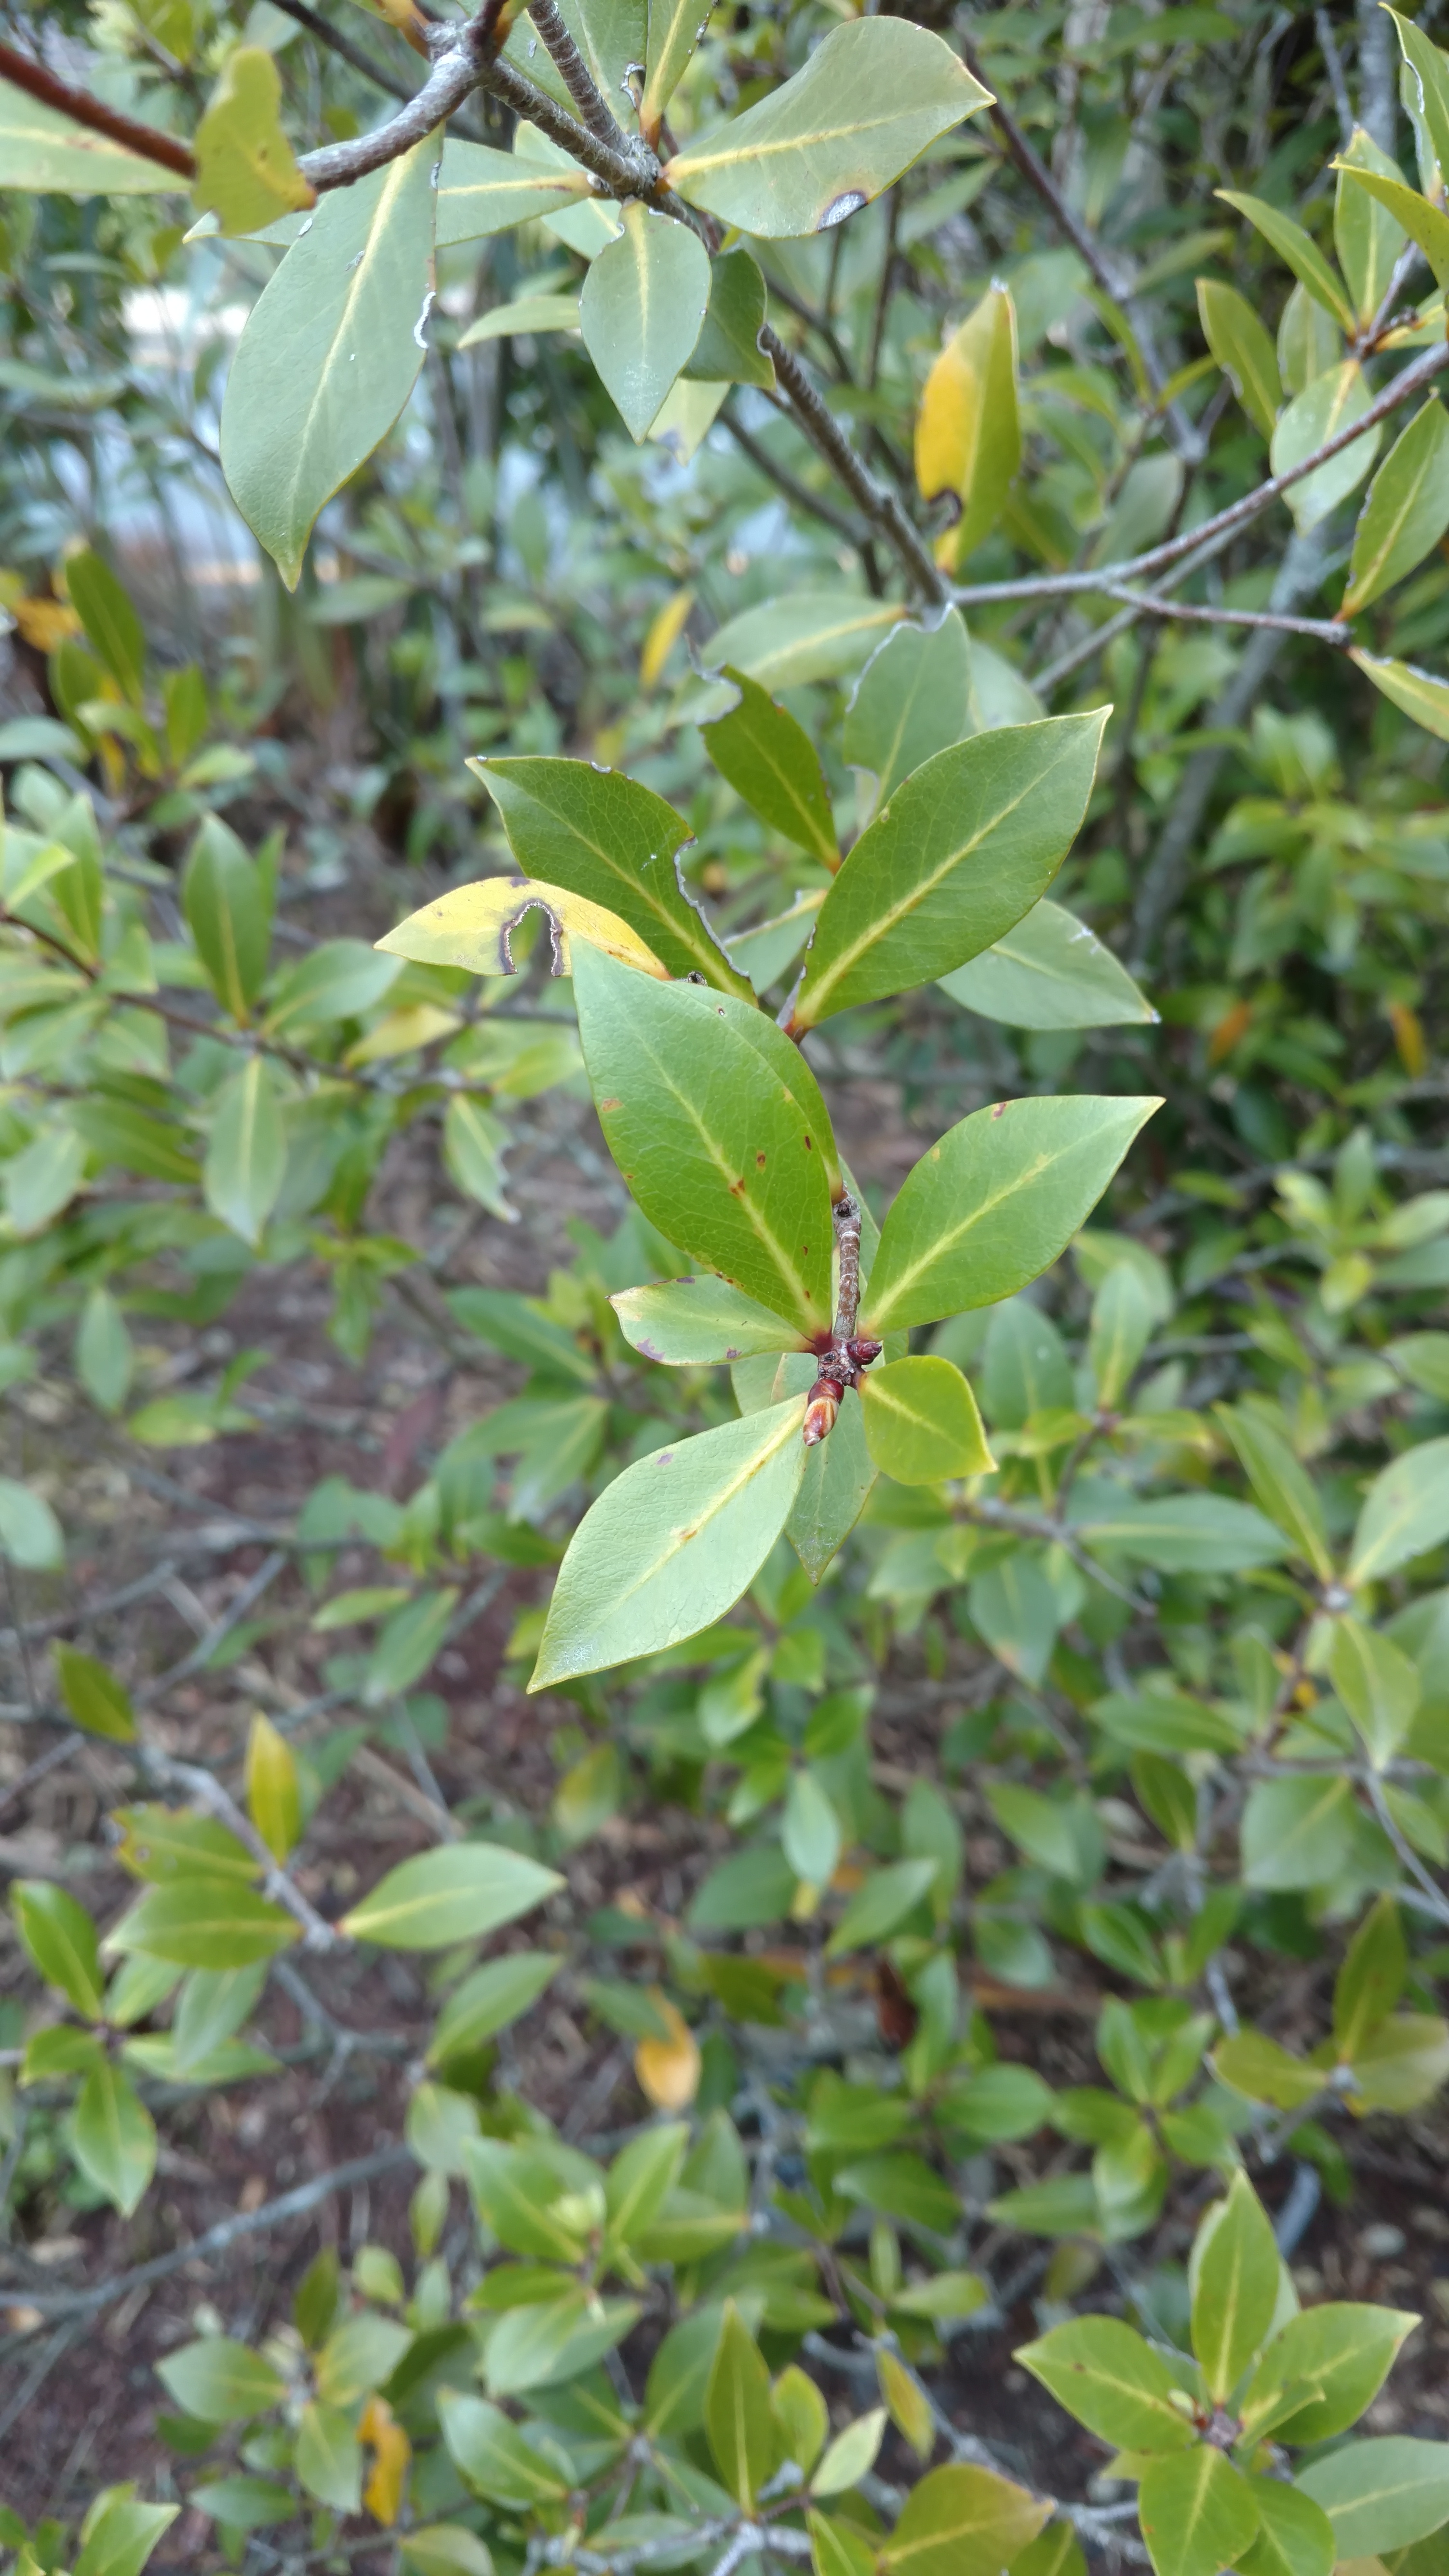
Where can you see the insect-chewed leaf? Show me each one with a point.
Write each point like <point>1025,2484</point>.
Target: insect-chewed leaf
<point>867,103</point>
<point>921,1422</point>
<point>993,1204</point>
<point>672,1544</point>
<point>716,1123</point>
<point>603,836</point>
<point>966,845</point>
<point>473,927</point>
<point>330,353</point>
<point>693,1323</point>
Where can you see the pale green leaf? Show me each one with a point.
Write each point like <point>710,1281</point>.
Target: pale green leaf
<point>1049,972</point>
<point>454,1894</point>
<point>1406,511</point>
<point>921,1422</point>
<point>643,302</point>
<point>672,1543</point>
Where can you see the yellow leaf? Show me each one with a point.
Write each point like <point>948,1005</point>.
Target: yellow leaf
<point>472,927</point>
<point>274,1798</point>
<point>383,2493</point>
<point>907,2404</point>
<point>246,172</point>
<point>968,433</point>
<point>1408,1031</point>
<point>668,2069</point>
<point>44,623</point>
<point>662,637</point>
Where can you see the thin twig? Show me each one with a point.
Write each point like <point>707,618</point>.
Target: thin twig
<point>881,508</point>
<point>23,72</point>
<point>218,2239</point>
<point>343,47</point>
<point>793,489</point>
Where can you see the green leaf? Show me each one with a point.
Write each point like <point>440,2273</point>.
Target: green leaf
<point>968,427</point>
<point>603,836</point>
<point>526,313</point>
<point>810,1830</point>
<point>695,1322</point>
<point>852,2454</point>
<point>212,2005</point>
<point>1378,1686</point>
<point>30,1534</point>
<point>242,2503</point>
<point>772,763</point>
<point>1425,224</point>
<point>522,1330</point>
<point>1295,2536</point>
<point>839,2547</point>
<point>1401,2065</point>
<point>1242,349</point>
<point>113,630</point>
<point>1297,1833</point>
<point>1049,972</point>
<point>330,353</point>
<point>1262,2071</point>
<point>1330,404</point>
<point>1121,1328</point>
<point>839,1474</point>
<point>737,2413</point>
<point>328,2457</point>
<point>246,1154</point>
<point>1405,1514</point>
<point>643,302</point>
<point>1234,2287</point>
<point>1416,693</point>
<point>993,1204</point>
<point>868,102</point>
<point>883,1902</point>
<point>95,1698</point>
<point>1326,2366</point>
<point>1429,85</point>
<point>912,700</point>
<point>62,1942</point>
<point>482,192</point>
<point>1174,1533</point>
<point>113,2137</point>
<point>204,1923</point>
<point>444,2549</point>
<point>488,2000</point>
<point>921,1422</point>
<point>1298,251</point>
<point>1366,237</point>
<point>493,2456</point>
<point>43,1179</point>
<point>246,173</point>
<point>671,1544</point>
<point>966,845</point>
<point>104,1356</point>
<point>42,150</point>
<point>121,2537</point>
<point>1372,1978</point>
<point>811,635</point>
<point>1380,2495</point>
<point>963,2522</point>
<point>641,2177</point>
<point>728,350</point>
<point>1197,2513</point>
<point>1406,512</point>
<point>711,1116</point>
<point>228,904</point>
<point>675,28</point>
<point>456,1893</point>
<point>220,2381</point>
<point>1111,2381</point>
<point>1281,1485</point>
